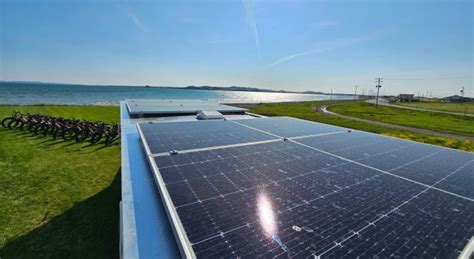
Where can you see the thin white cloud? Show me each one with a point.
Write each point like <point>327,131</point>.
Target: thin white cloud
<point>302,54</point>
<point>323,47</point>
<point>136,21</point>
<point>250,15</point>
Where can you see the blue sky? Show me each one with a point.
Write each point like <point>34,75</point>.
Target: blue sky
<point>417,46</point>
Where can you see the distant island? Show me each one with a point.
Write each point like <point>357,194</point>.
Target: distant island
<point>237,88</point>
<point>252,89</point>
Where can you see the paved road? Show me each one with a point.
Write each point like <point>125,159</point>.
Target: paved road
<point>384,102</point>
<point>323,109</point>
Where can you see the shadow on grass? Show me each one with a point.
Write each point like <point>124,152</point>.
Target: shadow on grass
<point>87,230</point>
<point>49,141</point>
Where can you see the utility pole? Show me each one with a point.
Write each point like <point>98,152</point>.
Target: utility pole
<point>363,92</point>
<point>330,97</point>
<point>462,94</point>
<point>378,80</point>
<point>355,93</point>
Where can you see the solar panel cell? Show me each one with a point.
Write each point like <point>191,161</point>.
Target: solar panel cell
<point>182,193</point>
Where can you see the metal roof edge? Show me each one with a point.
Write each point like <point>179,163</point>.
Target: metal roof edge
<point>128,230</point>
<point>181,237</point>
<point>468,250</point>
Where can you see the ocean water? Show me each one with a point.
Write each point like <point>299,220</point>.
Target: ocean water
<point>32,93</point>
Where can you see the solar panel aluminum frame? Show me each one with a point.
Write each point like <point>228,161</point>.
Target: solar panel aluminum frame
<point>180,234</point>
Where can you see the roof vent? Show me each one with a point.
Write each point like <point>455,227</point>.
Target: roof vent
<point>209,115</point>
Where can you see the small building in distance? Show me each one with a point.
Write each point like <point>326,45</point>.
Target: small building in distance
<point>456,99</point>
<point>406,98</point>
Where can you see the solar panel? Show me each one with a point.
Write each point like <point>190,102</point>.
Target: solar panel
<point>332,195</point>
<point>290,127</point>
<point>168,136</point>
<point>164,107</point>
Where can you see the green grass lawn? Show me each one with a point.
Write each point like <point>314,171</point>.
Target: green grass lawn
<point>419,119</point>
<point>467,108</point>
<point>58,199</point>
<point>306,110</point>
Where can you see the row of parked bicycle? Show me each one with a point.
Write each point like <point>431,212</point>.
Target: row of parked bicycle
<point>67,129</point>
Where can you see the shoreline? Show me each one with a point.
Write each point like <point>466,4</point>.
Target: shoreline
<point>116,104</point>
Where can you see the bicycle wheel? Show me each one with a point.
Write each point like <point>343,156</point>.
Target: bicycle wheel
<point>21,125</point>
<point>81,136</point>
<point>6,121</point>
<point>31,126</point>
<point>48,130</point>
<point>13,124</point>
<point>38,129</point>
<point>96,138</point>
<point>68,134</point>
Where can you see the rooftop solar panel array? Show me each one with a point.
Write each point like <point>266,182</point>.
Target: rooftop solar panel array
<point>323,192</point>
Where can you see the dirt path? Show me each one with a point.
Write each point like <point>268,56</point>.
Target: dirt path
<point>386,103</point>
<point>323,109</point>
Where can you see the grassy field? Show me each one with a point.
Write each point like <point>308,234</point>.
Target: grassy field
<point>306,111</point>
<point>467,108</point>
<point>58,199</point>
<point>418,119</point>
